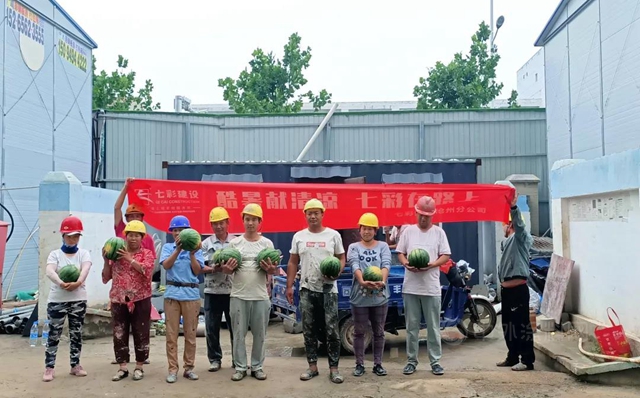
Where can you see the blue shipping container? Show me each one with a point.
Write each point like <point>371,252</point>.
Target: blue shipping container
<point>463,237</point>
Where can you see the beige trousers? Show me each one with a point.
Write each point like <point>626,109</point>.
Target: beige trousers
<point>189,311</point>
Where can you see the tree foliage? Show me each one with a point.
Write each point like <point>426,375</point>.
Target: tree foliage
<point>116,91</point>
<point>270,85</point>
<point>468,81</point>
<point>513,100</point>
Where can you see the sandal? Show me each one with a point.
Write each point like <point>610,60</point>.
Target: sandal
<point>336,377</point>
<point>308,375</point>
<point>121,374</point>
<point>138,374</point>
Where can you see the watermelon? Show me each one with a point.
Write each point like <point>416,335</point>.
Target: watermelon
<point>69,273</point>
<point>273,254</point>
<point>419,258</point>
<point>189,239</point>
<point>330,267</point>
<point>222,256</point>
<point>372,274</point>
<point>112,246</point>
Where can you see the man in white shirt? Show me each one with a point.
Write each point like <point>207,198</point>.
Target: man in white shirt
<point>318,295</point>
<point>421,288</point>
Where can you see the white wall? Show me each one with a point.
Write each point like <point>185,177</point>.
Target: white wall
<point>591,80</point>
<point>530,79</point>
<point>596,223</point>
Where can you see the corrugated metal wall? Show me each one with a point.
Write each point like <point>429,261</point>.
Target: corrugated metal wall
<point>46,122</point>
<point>508,141</point>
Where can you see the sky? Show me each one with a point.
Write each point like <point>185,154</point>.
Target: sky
<point>361,50</point>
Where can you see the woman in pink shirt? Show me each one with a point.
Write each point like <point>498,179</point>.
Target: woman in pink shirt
<point>130,298</point>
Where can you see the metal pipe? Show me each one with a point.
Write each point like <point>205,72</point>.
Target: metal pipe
<point>635,360</point>
<point>22,311</point>
<point>492,25</point>
<point>317,132</point>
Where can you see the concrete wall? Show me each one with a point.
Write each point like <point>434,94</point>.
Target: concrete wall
<point>596,223</point>
<point>530,77</point>
<point>62,194</point>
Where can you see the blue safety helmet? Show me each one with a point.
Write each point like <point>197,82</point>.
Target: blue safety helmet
<point>179,222</point>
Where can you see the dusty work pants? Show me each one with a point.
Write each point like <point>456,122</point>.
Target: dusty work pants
<point>516,324</point>
<point>320,313</point>
<point>138,321</point>
<point>247,314</point>
<point>416,306</point>
<point>189,311</point>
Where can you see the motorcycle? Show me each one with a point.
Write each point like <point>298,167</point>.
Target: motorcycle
<point>478,318</point>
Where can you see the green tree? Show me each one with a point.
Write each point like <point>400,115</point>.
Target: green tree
<point>513,100</point>
<point>270,84</point>
<point>116,91</point>
<point>468,81</point>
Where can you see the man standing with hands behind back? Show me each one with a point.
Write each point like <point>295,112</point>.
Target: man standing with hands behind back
<point>421,289</point>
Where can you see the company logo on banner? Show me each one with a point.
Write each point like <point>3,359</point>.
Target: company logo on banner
<point>72,52</point>
<point>283,203</point>
<point>30,30</point>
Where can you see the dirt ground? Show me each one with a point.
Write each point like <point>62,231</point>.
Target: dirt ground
<point>469,365</point>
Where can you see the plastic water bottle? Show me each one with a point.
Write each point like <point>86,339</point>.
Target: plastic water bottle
<point>45,333</point>
<point>33,335</point>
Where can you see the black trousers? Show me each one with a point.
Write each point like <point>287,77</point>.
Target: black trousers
<point>214,306</point>
<point>516,324</point>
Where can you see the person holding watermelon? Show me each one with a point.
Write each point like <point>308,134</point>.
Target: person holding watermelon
<point>67,269</point>
<point>250,305</point>
<point>130,297</point>
<point>217,288</point>
<point>421,290</point>
<point>370,262</point>
<point>310,248</point>
<point>181,298</point>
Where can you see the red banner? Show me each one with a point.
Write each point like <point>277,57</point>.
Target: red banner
<point>283,203</point>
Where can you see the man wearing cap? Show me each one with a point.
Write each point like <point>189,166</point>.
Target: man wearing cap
<point>217,287</point>
<point>318,295</point>
<point>421,288</point>
<point>133,212</point>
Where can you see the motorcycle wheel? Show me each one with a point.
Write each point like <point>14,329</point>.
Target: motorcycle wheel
<point>482,327</point>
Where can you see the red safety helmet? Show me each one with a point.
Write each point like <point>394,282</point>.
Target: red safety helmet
<point>426,206</point>
<point>134,208</point>
<point>71,226</point>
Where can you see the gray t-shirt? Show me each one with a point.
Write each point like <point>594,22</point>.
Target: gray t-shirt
<point>360,258</point>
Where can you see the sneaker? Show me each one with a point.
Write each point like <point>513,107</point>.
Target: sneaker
<point>49,374</point>
<point>409,369</point>
<point>359,370</point>
<point>78,371</point>
<point>172,378</point>
<point>379,370</point>
<point>259,374</point>
<point>238,375</point>
<point>521,367</point>
<point>214,367</point>
<point>437,370</point>
<point>190,375</point>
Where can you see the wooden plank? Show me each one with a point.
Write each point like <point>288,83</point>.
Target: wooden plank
<point>555,288</point>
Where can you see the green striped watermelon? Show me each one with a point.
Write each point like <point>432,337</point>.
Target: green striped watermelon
<point>112,246</point>
<point>418,258</point>
<point>372,274</point>
<point>189,239</point>
<point>330,267</point>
